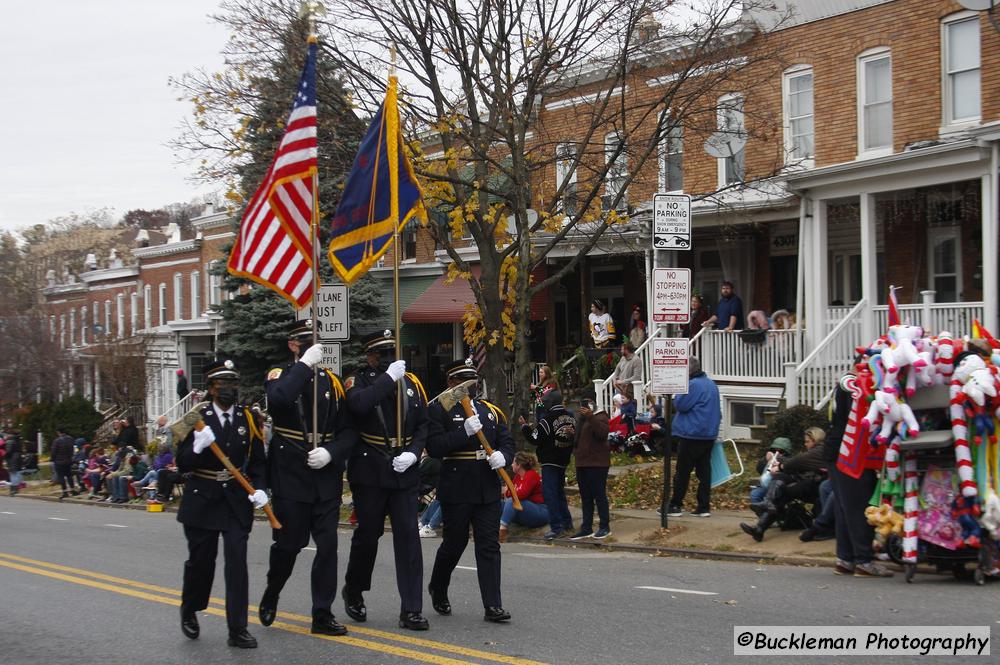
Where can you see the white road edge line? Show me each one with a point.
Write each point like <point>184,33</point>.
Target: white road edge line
<point>60,519</point>
<point>117,526</point>
<point>691,591</point>
<point>466,567</point>
<point>7,512</point>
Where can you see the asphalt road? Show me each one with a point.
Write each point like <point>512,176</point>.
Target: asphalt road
<point>88,584</point>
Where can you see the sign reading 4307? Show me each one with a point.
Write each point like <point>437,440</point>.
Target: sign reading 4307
<point>671,221</point>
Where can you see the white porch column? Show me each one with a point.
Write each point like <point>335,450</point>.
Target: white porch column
<point>97,387</point>
<point>989,208</point>
<point>816,277</point>
<point>869,267</point>
<point>87,371</point>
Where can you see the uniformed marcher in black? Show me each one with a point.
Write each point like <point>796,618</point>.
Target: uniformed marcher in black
<point>215,504</point>
<point>469,491</point>
<point>306,482</point>
<point>384,478</point>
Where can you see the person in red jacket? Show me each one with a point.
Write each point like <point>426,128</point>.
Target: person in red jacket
<point>528,484</point>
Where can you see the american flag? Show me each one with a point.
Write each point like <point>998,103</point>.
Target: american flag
<point>273,246</point>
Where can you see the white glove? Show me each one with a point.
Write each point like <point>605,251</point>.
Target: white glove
<point>312,356</point>
<point>203,439</point>
<point>318,458</point>
<point>403,461</point>
<point>396,370</point>
<point>258,499</point>
<point>497,460</point>
<point>472,425</point>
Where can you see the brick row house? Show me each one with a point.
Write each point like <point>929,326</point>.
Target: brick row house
<point>871,159</point>
<point>157,307</point>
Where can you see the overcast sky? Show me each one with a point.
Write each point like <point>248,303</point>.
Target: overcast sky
<point>85,109</point>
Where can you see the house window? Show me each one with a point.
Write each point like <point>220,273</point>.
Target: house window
<point>214,282</point>
<point>798,104</point>
<point>672,160</point>
<point>616,164</point>
<point>96,318</point>
<point>120,310</point>
<point>178,296</point>
<point>960,50</point>
<point>748,414</point>
<point>62,331</point>
<point>409,239</point>
<point>195,294</point>
<point>107,318</point>
<point>944,262</point>
<point>163,304</point>
<point>875,101</point>
<point>566,177</point>
<point>732,168</point>
<point>147,307</point>
<point>52,328</point>
<point>83,326</point>
<point>72,327</point>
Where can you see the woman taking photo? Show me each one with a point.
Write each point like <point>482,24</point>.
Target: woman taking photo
<point>528,484</point>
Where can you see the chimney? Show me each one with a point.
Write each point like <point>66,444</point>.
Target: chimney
<point>173,233</point>
<point>209,209</point>
<point>142,238</point>
<point>648,28</point>
<point>90,263</point>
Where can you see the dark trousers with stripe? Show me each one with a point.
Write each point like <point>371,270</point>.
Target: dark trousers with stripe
<point>372,504</point>
<point>199,570</point>
<point>300,520</point>
<point>485,521</point>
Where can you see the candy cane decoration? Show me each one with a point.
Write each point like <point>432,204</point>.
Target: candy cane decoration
<point>911,508</point>
<point>892,460</point>
<point>960,432</point>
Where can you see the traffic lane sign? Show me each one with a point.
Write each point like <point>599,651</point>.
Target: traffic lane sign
<point>332,309</point>
<point>331,357</point>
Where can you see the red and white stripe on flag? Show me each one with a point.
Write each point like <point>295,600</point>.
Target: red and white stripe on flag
<point>273,246</point>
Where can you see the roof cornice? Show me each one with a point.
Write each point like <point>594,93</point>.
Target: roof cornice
<point>167,249</point>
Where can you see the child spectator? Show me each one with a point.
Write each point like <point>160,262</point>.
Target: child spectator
<point>528,485</point>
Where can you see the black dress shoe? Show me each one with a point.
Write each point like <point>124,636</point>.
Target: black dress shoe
<point>241,639</point>
<point>324,624</point>
<point>189,624</point>
<point>496,615</point>
<point>268,608</point>
<point>354,605</point>
<point>439,601</point>
<point>413,621</point>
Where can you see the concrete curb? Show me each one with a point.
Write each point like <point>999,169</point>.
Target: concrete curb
<point>652,550</point>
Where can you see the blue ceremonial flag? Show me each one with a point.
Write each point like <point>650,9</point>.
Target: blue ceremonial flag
<point>382,194</point>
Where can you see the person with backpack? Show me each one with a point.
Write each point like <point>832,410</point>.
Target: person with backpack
<point>553,437</point>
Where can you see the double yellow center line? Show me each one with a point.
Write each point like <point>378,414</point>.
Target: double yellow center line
<point>168,596</point>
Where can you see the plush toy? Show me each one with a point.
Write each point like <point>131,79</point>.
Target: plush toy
<point>903,348</point>
<point>890,410</point>
<point>944,359</point>
<point>924,375</point>
<point>991,515</point>
<point>885,520</point>
<point>965,510</point>
<point>982,383</point>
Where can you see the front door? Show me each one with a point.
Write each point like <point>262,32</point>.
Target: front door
<point>944,262</point>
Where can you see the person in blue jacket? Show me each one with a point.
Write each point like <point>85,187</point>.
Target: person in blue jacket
<point>695,425</point>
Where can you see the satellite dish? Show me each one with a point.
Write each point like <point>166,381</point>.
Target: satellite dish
<point>978,5</point>
<point>725,144</point>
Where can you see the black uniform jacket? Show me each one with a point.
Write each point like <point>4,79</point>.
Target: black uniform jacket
<point>289,403</point>
<point>371,461</point>
<point>464,477</point>
<point>212,504</point>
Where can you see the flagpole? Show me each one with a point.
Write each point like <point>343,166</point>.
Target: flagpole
<point>311,9</point>
<point>392,153</point>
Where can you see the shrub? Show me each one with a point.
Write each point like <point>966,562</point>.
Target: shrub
<point>793,422</point>
<point>76,413</point>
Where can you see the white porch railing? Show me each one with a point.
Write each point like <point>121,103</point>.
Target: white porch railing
<point>955,317</point>
<point>725,356</point>
<point>175,412</point>
<point>813,380</point>
<point>605,388</point>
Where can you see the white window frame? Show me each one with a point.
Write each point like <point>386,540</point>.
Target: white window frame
<point>178,297</point>
<point>133,319</point>
<point>52,328</point>
<point>195,294</point>
<point>147,307</point>
<point>107,318</point>
<point>566,153</point>
<point>673,138</point>
<point>96,317</point>
<point>786,96</point>
<point>72,327</point>
<point>721,124</point>
<point>62,331</point>
<point>83,326</point>
<point>615,170</point>
<point>162,300</point>
<point>934,235</point>
<point>948,117</point>
<point>120,312</point>
<point>215,295</point>
<point>864,58</point>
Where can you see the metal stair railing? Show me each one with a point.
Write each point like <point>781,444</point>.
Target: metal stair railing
<point>605,388</point>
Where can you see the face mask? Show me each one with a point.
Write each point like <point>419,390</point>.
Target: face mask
<point>226,397</point>
<point>385,357</point>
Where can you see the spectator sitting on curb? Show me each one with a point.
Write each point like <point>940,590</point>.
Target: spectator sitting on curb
<point>824,524</point>
<point>797,477</point>
<point>780,446</point>
<point>528,485</point>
